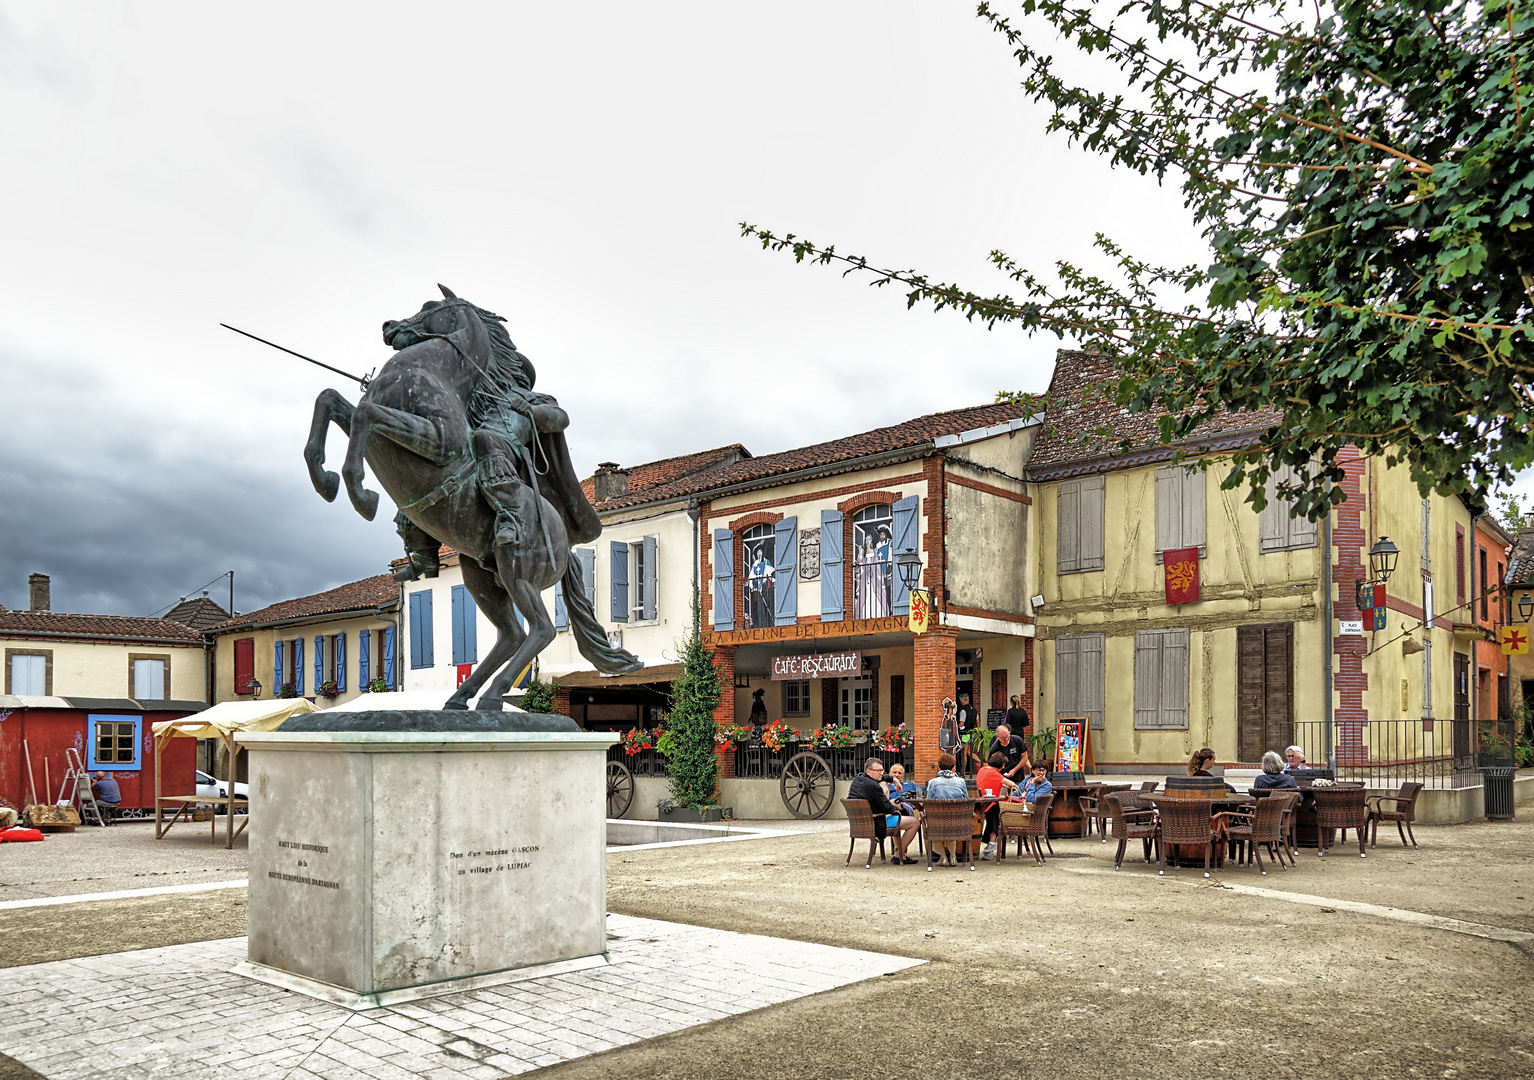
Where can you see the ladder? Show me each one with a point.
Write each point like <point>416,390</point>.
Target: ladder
<point>77,788</point>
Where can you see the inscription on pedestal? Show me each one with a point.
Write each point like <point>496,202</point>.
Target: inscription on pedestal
<point>306,878</point>
<point>511,863</point>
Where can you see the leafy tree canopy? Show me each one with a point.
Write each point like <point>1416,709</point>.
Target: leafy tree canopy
<point>1362,174</point>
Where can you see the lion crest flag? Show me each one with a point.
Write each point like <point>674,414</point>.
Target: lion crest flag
<point>1181,568</point>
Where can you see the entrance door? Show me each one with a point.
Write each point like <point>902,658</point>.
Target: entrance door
<point>1461,709</point>
<point>857,704</point>
<point>1264,689</point>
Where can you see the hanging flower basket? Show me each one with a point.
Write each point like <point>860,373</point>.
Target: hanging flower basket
<point>636,740</point>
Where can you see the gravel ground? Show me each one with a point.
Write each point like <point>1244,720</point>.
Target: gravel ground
<point>1072,969</point>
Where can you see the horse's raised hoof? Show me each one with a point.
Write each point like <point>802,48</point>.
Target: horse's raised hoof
<point>367,505</point>
<point>328,485</point>
<point>490,704</point>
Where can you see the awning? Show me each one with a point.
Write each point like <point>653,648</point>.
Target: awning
<point>228,717</point>
<point>588,680</point>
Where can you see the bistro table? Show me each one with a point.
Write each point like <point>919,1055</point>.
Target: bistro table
<point>980,801</point>
<point>1193,854</point>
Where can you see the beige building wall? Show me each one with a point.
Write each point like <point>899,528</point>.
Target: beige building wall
<point>104,669</point>
<point>264,651</point>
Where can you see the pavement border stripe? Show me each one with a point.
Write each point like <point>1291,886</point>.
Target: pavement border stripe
<point>122,894</point>
<point>1418,918</point>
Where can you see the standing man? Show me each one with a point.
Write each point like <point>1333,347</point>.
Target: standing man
<point>969,721</point>
<point>868,786</point>
<point>1015,768</point>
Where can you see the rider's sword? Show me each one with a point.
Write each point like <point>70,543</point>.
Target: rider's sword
<point>358,379</point>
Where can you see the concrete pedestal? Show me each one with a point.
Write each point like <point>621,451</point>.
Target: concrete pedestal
<point>392,865</point>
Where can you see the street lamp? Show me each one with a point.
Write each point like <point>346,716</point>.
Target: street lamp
<point>909,565</point>
<point>254,686</point>
<point>1526,606</point>
<point>1382,559</point>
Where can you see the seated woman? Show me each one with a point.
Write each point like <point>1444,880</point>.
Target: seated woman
<point>947,784</point>
<point>1197,763</point>
<point>1273,775</point>
<point>990,779</point>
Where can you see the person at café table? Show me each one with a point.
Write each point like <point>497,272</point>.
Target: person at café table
<point>1294,757</point>
<point>868,786</point>
<point>990,781</point>
<point>1038,784</point>
<point>1198,762</point>
<point>947,784</point>
<point>1273,775</point>
<point>1016,766</point>
<point>899,789</point>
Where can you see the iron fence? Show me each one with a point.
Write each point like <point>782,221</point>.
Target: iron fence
<point>645,763</point>
<point>845,762</point>
<point>1387,753</point>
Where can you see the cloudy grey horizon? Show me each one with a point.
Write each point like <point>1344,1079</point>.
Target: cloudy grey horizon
<point>306,171</point>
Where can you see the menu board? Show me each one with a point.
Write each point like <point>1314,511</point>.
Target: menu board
<point>1073,745</point>
<point>994,718</point>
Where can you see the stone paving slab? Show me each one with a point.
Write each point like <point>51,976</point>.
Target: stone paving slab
<point>179,1011</point>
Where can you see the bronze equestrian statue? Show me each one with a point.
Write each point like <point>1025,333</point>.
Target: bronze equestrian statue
<point>475,458</point>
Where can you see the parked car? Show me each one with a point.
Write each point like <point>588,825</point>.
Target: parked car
<point>207,785</point>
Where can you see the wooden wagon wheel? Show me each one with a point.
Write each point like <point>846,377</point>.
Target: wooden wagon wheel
<point>807,786</point>
<point>620,789</point>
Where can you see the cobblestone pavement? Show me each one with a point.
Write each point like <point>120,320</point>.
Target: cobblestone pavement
<point>179,1012</point>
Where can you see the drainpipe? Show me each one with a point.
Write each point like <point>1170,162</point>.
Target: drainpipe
<point>1473,691</point>
<point>695,513</point>
<point>1327,641</point>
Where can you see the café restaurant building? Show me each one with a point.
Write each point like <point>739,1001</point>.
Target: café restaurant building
<point>802,599</point>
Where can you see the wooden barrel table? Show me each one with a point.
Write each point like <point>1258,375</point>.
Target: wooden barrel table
<point>1210,789</point>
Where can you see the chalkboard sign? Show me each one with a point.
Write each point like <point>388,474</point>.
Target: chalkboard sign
<point>994,718</point>
<point>1073,745</point>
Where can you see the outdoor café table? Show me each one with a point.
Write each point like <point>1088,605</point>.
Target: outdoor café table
<point>1065,812</point>
<point>980,801</point>
<point>1193,854</point>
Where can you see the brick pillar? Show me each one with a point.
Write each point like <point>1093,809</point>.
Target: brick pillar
<point>1351,566</point>
<point>936,662</point>
<point>830,702</point>
<point>724,712</point>
<point>561,701</point>
<point>1030,691</point>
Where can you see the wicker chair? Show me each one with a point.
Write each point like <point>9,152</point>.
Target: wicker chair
<point>862,825</point>
<point>1149,786</point>
<point>948,821</point>
<point>1263,826</point>
<point>1131,819</point>
<point>1187,821</point>
<point>1092,809</point>
<point>1031,830</point>
<point>1404,814</point>
<point>1341,806</point>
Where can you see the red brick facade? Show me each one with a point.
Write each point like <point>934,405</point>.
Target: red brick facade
<point>1351,566</point>
<point>724,712</point>
<point>936,663</point>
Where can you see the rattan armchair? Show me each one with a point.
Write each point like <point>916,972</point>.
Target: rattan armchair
<point>1404,814</point>
<point>1130,819</point>
<point>1149,786</point>
<point>863,825</point>
<point>949,821</point>
<point>1092,809</point>
<point>1342,807</point>
<point>1263,826</point>
<point>1030,829</point>
<point>1187,821</point>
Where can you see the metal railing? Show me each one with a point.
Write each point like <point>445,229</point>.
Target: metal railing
<point>1387,753</point>
<point>645,763</point>
<point>845,762</point>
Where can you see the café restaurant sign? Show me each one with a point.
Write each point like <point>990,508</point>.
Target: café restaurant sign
<point>835,665</point>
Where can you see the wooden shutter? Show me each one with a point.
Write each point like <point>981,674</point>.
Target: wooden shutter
<point>785,571</point>
<point>465,628</point>
<point>588,560</point>
<point>832,604</point>
<point>1427,652</point>
<point>319,661</point>
<point>1148,678</point>
<point>1195,517</point>
<point>1090,544</point>
<point>724,579</point>
<point>651,578</point>
<point>1174,678</point>
<point>906,538</point>
<point>561,616</point>
<point>1068,534</point>
<point>298,665</point>
<point>338,651</point>
<point>244,664</point>
<point>618,581</point>
<point>422,632</point>
<point>1302,532</point>
<point>1278,689</point>
<point>279,675</point>
<point>388,657</point>
<point>1090,676</point>
<point>1272,532</point>
<point>1251,693</point>
<point>364,659</point>
<point>1066,677</point>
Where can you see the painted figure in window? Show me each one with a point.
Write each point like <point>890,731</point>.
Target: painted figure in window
<point>760,592</point>
<point>872,576</point>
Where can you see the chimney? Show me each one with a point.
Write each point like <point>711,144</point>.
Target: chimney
<point>38,586</point>
<point>611,481</point>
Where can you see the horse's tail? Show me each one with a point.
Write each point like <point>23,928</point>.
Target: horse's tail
<point>590,638</point>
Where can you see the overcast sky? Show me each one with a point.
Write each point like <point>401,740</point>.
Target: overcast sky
<point>305,171</point>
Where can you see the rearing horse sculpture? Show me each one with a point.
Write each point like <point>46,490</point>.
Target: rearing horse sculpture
<point>421,425</point>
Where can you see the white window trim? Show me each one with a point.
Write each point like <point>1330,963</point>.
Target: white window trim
<point>636,583</point>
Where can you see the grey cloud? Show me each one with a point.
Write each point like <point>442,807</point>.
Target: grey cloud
<point>339,190</point>
<point>40,61</point>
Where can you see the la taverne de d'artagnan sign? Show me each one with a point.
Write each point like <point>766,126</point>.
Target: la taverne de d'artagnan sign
<point>836,665</point>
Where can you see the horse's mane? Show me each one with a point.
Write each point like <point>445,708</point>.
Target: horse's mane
<point>510,374</point>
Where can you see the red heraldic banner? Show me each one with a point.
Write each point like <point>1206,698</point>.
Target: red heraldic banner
<point>1181,575</point>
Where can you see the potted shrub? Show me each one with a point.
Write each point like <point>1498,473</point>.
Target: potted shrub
<point>327,689</point>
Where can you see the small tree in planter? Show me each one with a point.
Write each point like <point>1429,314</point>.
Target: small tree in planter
<point>688,741</point>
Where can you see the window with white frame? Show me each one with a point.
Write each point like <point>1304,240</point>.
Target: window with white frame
<point>644,577</point>
<point>857,703</point>
<point>29,672</point>
<point>796,697</point>
<point>150,677</point>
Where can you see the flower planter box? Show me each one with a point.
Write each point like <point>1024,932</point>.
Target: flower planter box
<point>687,813</point>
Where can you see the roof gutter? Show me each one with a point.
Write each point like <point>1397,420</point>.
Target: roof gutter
<point>75,635</point>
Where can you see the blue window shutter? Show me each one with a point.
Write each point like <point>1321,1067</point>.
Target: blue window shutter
<point>651,576</point>
<point>364,658</point>
<point>471,627</point>
<point>465,627</point>
<point>618,586</point>
<point>319,661</point>
<point>388,657</point>
<point>298,666</point>
<point>340,660</point>
<point>278,675</point>
<point>561,616</point>
<point>428,631</point>
<point>904,513</point>
<point>831,604</point>
<point>588,558</point>
<point>459,634</point>
<point>724,579</point>
<point>421,635</point>
<point>415,629</point>
<point>785,571</point>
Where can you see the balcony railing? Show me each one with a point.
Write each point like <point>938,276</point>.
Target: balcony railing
<point>758,762</point>
<point>645,763</point>
<point>1387,753</point>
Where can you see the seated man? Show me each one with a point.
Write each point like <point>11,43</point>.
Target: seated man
<point>899,789</point>
<point>868,786</point>
<point>947,784</point>
<point>107,795</point>
<point>1273,775</point>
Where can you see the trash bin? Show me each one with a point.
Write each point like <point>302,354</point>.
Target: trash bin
<point>1499,792</point>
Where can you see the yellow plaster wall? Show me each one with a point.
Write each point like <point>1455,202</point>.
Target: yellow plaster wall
<point>89,669</point>
<point>265,656</point>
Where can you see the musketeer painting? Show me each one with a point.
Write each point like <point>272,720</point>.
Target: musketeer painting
<point>757,552</point>
<point>872,574</point>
